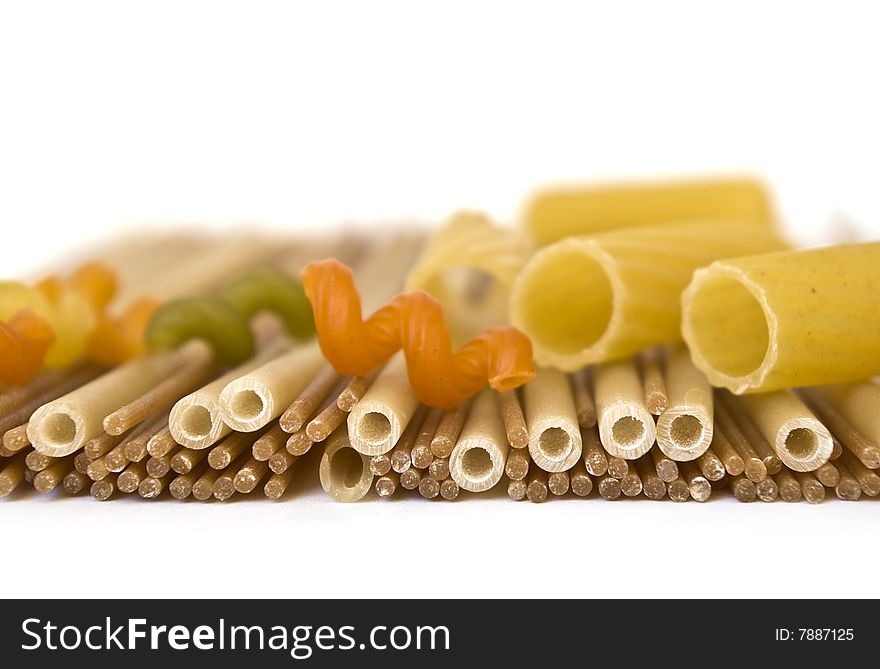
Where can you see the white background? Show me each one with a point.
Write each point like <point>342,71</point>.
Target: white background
<point>302,115</point>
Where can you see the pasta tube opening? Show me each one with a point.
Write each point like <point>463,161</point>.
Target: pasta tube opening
<point>196,422</point>
<point>58,430</point>
<point>789,319</point>
<point>736,341</point>
<point>594,299</point>
<point>375,428</point>
<point>345,474</point>
<point>477,461</point>
<point>565,302</point>
<point>801,443</point>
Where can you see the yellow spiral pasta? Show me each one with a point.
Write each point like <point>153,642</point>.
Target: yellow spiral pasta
<point>565,212</point>
<point>787,319</point>
<point>469,265</point>
<point>590,299</point>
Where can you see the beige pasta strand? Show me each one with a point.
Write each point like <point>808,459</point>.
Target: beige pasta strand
<point>684,429</point>
<point>478,459</point>
<point>799,439</point>
<point>64,425</point>
<point>253,400</point>
<point>555,442</point>
<point>626,427</point>
<point>377,421</point>
<point>196,420</point>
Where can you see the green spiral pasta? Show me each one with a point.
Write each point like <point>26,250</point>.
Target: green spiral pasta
<point>270,289</point>
<point>223,320</point>
<point>210,318</point>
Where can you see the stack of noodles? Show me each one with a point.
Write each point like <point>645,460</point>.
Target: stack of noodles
<point>658,340</point>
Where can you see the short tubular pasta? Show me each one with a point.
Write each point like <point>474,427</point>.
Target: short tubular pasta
<point>565,212</point>
<point>786,319</point>
<point>469,265</point>
<point>592,299</point>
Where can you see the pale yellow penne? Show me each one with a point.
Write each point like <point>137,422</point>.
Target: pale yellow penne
<point>564,212</point>
<point>605,297</point>
<point>787,319</point>
<point>469,265</point>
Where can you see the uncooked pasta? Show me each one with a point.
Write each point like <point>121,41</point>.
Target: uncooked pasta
<point>787,319</point>
<point>413,322</point>
<point>591,299</point>
<point>565,212</point>
<point>469,265</point>
<point>684,429</point>
<point>148,374</point>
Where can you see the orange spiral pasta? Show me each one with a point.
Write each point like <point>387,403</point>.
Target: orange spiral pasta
<point>440,377</point>
<point>58,321</point>
<point>24,341</point>
<point>116,339</point>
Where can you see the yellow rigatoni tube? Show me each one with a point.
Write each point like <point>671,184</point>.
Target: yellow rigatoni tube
<point>592,299</point>
<point>469,265</point>
<point>787,319</point>
<point>566,212</point>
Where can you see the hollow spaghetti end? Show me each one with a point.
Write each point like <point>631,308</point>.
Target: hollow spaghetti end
<point>374,428</point>
<point>56,433</point>
<point>555,449</point>
<point>476,464</point>
<point>554,443</point>
<point>801,443</point>
<point>736,349</point>
<point>344,475</point>
<point>804,445</point>
<point>564,300</point>
<point>476,467</point>
<point>195,423</point>
<point>246,409</point>
<point>629,433</point>
<point>686,432</point>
